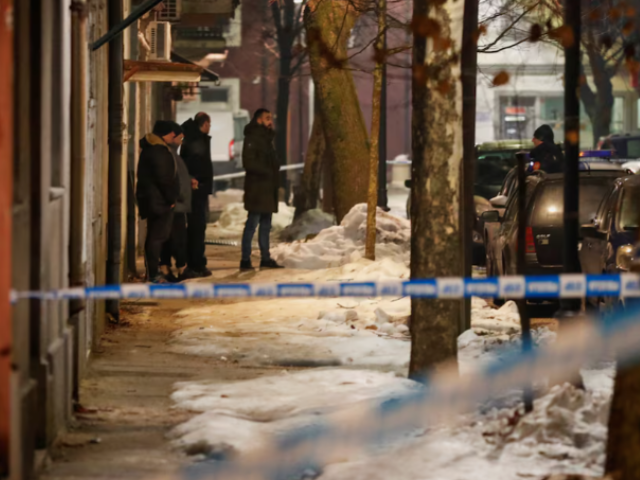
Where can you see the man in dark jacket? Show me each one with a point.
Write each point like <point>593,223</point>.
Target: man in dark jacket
<point>261,186</point>
<point>158,190</point>
<point>546,155</point>
<point>176,246</point>
<point>196,152</point>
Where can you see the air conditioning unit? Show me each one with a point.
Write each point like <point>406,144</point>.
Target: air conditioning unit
<point>171,11</point>
<point>159,36</point>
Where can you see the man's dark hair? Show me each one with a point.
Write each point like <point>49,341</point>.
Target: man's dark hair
<point>202,118</point>
<point>259,113</point>
<point>164,127</point>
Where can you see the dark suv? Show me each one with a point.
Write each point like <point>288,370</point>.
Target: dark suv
<point>609,237</point>
<point>544,233</point>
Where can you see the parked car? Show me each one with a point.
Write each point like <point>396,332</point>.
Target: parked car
<point>622,145</point>
<point>544,234</point>
<point>608,238</point>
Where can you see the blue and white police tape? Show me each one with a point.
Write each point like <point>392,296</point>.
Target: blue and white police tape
<point>530,287</point>
<point>351,432</point>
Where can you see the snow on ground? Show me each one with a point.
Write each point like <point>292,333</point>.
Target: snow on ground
<point>308,224</point>
<point>565,433</point>
<point>233,217</point>
<point>344,243</point>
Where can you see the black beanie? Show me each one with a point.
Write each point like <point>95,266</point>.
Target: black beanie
<point>544,133</point>
<point>163,127</point>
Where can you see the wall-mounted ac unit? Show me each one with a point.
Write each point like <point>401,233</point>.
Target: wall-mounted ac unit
<point>171,11</point>
<point>159,36</point>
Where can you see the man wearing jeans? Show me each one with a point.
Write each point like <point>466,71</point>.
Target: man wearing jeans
<point>261,186</point>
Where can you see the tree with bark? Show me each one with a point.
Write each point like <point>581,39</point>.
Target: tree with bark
<point>308,195</point>
<point>329,25</point>
<point>374,160</point>
<point>608,41</point>
<point>287,47</point>
<point>435,194</point>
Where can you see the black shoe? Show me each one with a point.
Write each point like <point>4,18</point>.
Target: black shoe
<point>271,263</point>
<point>203,273</point>
<point>159,279</point>
<point>187,274</point>
<point>245,266</point>
<point>171,278</point>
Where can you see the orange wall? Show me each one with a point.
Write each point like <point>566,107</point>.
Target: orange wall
<point>6,182</point>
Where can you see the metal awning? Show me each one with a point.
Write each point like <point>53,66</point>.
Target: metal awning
<point>207,75</point>
<point>135,71</point>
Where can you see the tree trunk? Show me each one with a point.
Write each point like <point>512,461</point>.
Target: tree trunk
<point>623,443</point>
<point>327,182</point>
<point>282,110</point>
<point>436,237</point>
<point>374,157</point>
<point>308,195</point>
<point>328,27</point>
<point>598,104</point>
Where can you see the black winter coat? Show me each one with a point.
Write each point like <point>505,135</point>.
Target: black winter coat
<point>260,161</point>
<point>196,153</point>
<point>158,184</point>
<point>549,156</point>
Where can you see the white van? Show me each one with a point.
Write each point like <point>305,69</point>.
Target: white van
<point>240,120</point>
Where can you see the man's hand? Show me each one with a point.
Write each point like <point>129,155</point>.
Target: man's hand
<point>194,184</point>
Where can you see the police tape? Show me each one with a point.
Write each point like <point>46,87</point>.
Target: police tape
<point>351,432</point>
<point>626,285</point>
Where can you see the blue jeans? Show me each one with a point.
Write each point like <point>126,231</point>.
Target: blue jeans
<point>264,219</point>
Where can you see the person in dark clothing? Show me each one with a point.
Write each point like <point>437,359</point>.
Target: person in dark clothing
<point>261,186</point>
<point>196,152</point>
<point>158,190</point>
<point>176,245</point>
<point>546,155</point>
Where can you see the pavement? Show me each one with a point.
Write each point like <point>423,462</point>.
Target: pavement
<point>126,413</point>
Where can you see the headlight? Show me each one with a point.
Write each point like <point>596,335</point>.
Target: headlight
<point>624,255</point>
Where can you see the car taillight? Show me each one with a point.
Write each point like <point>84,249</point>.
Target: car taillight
<point>231,143</point>
<point>529,243</point>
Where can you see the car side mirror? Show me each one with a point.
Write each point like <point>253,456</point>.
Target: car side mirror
<point>492,216</point>
<point>407,183</point>
<point>499,202</point>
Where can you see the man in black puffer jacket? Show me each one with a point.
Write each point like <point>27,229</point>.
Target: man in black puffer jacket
<point>261,187</point>
<point>196,152</point>
<point>546,155</point>
<point>158,190</point>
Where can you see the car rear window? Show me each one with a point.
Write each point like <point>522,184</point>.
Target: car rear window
<point>548,206</point>
<point>629,212</point>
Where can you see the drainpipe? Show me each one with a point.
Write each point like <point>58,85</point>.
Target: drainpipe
<point>116,99</point>
<point>79,51</point>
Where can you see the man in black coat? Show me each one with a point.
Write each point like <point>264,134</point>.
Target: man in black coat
<point>158,190</point>
<point>261,186</point>
<point>196,152</point>
<point>546,155</point>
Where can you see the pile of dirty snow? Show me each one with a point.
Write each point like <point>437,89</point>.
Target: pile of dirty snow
<point>233,419</point>
<point>342,244</point>
<point>565,433</point>
<point>234,216</point>
<point>477,349</point>
<point>222,198</point>
<point>308,224</point>
<point>485,317</point>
